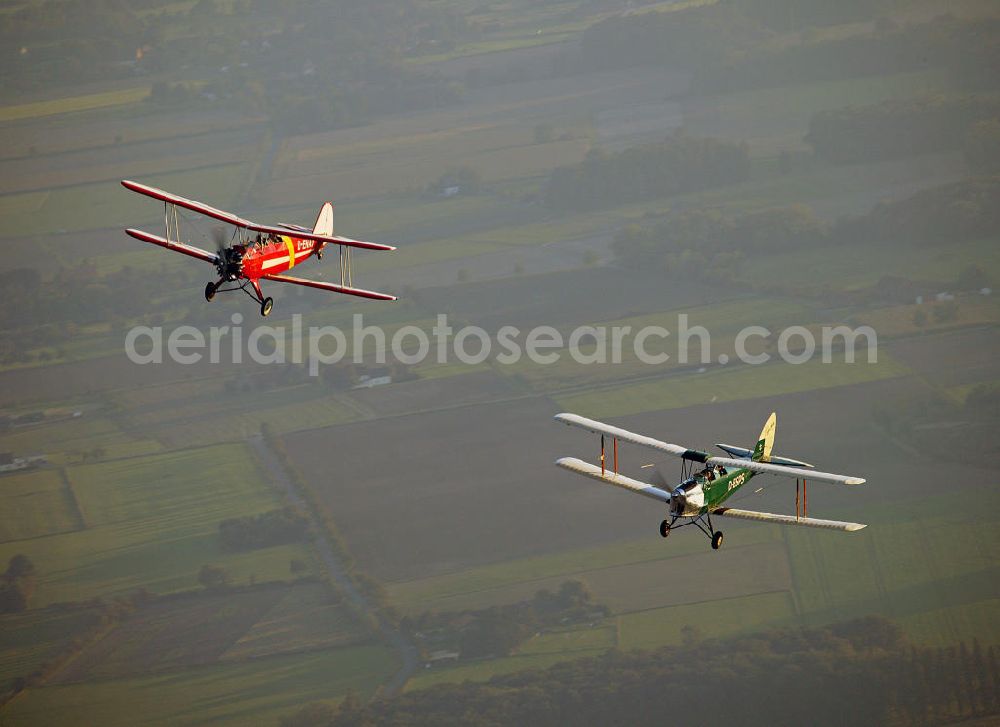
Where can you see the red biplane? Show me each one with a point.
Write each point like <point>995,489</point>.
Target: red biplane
<point>258,252</point>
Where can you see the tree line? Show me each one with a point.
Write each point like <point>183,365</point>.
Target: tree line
<point>684,38</point>
<point>898,127</point>
<point>860,672</point>
<point>963,47</point>
<point>710,243</point>
<point>17,584</point>
<point>499,630</point>
<point>705,34</point>
<point>676,165</point>
<point>696,242</point>
<point>309,66</point>
<point>274,527</point>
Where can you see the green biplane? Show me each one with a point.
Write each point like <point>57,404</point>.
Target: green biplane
<point>702,494</point>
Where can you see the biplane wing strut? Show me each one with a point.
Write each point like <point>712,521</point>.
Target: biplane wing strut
<point>180,247</point>
<point>690,503</point>
<point>322,234</point>
<point>237,221</point>
<point>694,455</point>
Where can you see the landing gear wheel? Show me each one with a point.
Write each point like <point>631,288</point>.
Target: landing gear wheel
<point>266,306</point>
<point>319,254</point>
<point>716,540</point>
<point>665,528</point>
<point>210,292</point>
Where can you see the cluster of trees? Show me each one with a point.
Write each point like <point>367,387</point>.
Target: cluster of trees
<point>17,584</point>
<point>498,630</point>
<point>309,66</point>
<point>972,423</point>
<point>982,147</point>
<point>708,36</point>
<point>213,577</point>
<point>686,38</point>
<point>709,244</point>
<point>725,44</point>
<point>858,672</point>
<point>66,40</point>
<point>983,403</point>
<point>944,42</point>
<point>962,210</point>
<point>274,527</point>
<point>677,165</point>
<point>79,295</point>
<point>786,15</point>
<point>898,128</point>
<point>697,242</point>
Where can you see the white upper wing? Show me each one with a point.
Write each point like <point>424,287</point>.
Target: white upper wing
<point>767,517</point>
<point>597,427</point>
<point>591,425</point>
<point>796,473</point>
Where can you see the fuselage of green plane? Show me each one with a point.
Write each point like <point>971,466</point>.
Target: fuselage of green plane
<point>701,496</point>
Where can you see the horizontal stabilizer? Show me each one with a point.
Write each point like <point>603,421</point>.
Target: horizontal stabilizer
<point>767,517</point>
<point>332,287</point>
<point>610,478</point>
<point>744,453</point>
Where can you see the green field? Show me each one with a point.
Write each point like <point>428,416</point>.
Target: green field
<point>70,104</point>
<point>285,410</point>
<point>723,320</point>
<point>306,618</point>
<point>259,691</point>
<point>539,652</point>
<point>907,571</point>
<point>106,204</point>
<point>151,522</point>
<point>35,504</point>
<point>410,162</point>
<point>137,484</point>
<point>777,118</point>
<point>731,384</point>
<point>212,627</point>
<point>853,271</point>
<point>663,626</point>
<point>514,580</point>
<point>59,439</point>
<point>481,671</point>
<point>31,639</point>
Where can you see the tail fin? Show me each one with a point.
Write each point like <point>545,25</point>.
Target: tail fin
<point>324,221</point>
<point>765,442</point>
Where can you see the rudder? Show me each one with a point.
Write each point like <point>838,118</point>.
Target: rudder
<point>324,221</point>
<point>765,442</point>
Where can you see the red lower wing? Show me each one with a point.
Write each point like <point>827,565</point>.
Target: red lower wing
<point>360,292</point>
<point>171,245</point>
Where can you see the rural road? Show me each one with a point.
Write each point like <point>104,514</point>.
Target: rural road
<point>406,650</point>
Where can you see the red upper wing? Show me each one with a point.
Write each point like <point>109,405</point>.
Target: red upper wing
<point>190,204</point>
<point>306,235</point>
<point>231,219</point>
